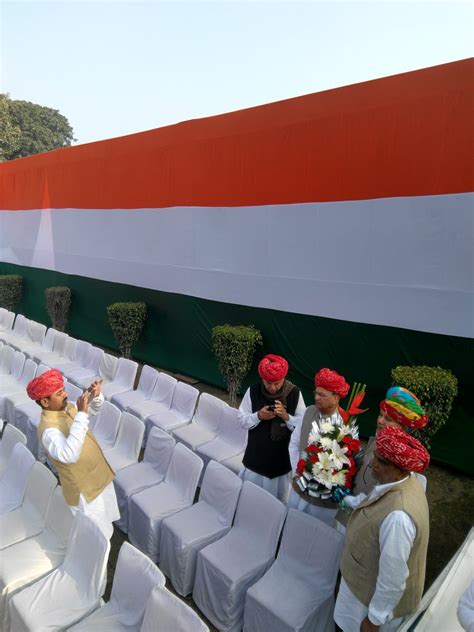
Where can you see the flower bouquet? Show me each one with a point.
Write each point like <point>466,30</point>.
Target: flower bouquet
<point>327,467</point>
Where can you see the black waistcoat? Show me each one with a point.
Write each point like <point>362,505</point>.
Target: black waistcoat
<point>262,455</point>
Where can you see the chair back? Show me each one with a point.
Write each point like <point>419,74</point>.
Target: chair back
<point>59,344</point>
<point>73,392</point>
<point>39,489</point>
<point>86,556</point>
<point>159,448</point>
<point>17,365</point>
<point>184,471</point>
<point>21,326</point>
<point>29,371</point>
<point>59,518</point>
<point>164,389</point>
<point>83,350</point>
<point>107,424</point>
<point>230,429</point>
<point>126,373</point>
<point>134,579</point>
<point>209,413</point>
<point>108,366</point>
<point>310,550</point>
<point>221,488</point>
<point>70,349</point>
<point>260,515</point>
<point>130,436</point>
<point>10,437</point>
<point>94,359</point>
<point>147,380</point>
<point>48,342</point>
<point>6,359</point>
<point>7,321</point>
<point>15,477</point>
<point>184,400</point>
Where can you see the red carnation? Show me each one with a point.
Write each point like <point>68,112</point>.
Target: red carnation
<point>313,449</point>
<point>314,458</point>
<point>352,444</point>
<point>300,467</point>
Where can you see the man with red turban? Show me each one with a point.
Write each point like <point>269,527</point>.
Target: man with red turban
<point>400,409</point>
<point>330,388</point>
<point>384,557</point>
<point>270,410</point>
<point>85,476</point>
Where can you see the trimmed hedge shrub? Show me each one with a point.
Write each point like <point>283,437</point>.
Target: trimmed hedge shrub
<point>436,389</point>
<point>126,320</point>
<point>11,290</point>
<point>234,347</point>
<point>58,303</point>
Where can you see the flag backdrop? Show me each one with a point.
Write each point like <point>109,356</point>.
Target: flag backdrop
<point>339,223</point>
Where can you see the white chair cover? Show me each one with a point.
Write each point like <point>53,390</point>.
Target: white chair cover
<point>87,372</point>
<point>31,559</point>
<point>57,353</point>
<point>81,357</point>
<point>30,349</point>
<point>6,359</point>
<point>10,437</point>
<point>14,478</point>
<point>184,534</point>
<point>149,507</point>
<point>230,441</point>
<point>160,398</point>
<point>107,368</point>
<point>139,476</point>
<point>30,518</point>
<point>7,321</point>
<point>70,592</point>
<point>13,386</point>
<point>106,425</point>
<point>30,370</point>
<point>205,425</point>
<point>56,359</point>
<point>15,369</point>
<point>234,463</point>
<point>167,613</point>
<point>33,338</point>
<point>181,411</point>
<point>129,441</point>
<point>146,383</point>
<point>297,593</point>
<point>227,568</point>
<point>123,380</point>
<point>18,332</point>
<point>134,579</point>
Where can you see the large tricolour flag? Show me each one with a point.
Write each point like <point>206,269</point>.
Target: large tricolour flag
<point>340,223</point>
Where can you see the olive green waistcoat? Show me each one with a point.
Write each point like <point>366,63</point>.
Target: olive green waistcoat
<point>91,473</point>
<point>361,552</point>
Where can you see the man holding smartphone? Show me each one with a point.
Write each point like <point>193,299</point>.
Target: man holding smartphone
<point>84,473</point>
<point>270,410</point>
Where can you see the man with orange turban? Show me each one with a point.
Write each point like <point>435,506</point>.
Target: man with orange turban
<point>85,476</point>
<point>270,410</point>
<point>400,409</point>
<point>330,388</point>
<point>384,557</point>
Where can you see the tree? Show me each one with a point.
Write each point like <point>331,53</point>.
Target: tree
<point>9,133</point>
<point>40,129</point>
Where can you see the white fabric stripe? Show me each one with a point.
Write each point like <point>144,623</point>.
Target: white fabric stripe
<point>405,262</point>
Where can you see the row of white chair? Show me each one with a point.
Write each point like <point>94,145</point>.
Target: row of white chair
<point>52,573</point>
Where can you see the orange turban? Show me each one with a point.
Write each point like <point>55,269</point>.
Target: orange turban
<point>45,385</point>
<point>331,381</point>
<point>402,449</point>
<point>273,368</point>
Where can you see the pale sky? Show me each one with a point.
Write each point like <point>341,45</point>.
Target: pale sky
<point>115,68</point>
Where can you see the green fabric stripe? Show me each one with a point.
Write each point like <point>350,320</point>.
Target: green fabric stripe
<point>177,338</point>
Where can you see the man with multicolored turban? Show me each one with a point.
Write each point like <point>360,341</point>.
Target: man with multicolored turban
<point>330,388</point>
<point>400,409</point>
<point>85,476</point>
<point>270,411</point>
<point>384,557</point>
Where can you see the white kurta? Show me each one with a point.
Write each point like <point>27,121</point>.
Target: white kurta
<point>280,485</point>
<point>103,509</point>
<point>396,537</point>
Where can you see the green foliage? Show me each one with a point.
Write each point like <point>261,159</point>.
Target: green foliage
<point>58,302</point>
<point>234,347</point>
<point>9,133</point>
<point>11,290</point>
<point>126,320</point>
<point>436,389</point>
<point>28,128</point>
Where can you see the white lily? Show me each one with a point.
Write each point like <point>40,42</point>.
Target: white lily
<point>339,453</point>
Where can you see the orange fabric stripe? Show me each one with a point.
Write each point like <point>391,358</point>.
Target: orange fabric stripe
<point>409,134</point>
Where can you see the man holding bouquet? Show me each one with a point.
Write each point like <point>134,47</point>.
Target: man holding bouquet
<point>270,410</point>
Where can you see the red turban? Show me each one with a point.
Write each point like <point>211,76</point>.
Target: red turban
<point>273,368</point>
<point>331,381</point>
<point>45,385</point>
<point>402,449</point>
